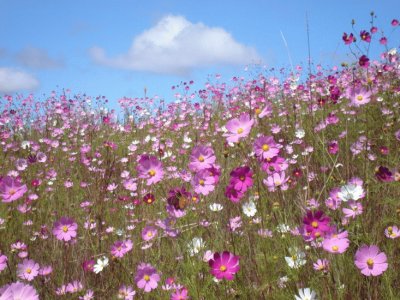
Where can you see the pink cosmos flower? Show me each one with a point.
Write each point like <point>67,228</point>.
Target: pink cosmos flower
<point>316,224</point>
<point>18,290</point>
<point>335,245</point>
<point>276,180</point>
<point>11,189</point>
<point>275,164</point>
<point>146,277</point>
<point>74,287</point>
<point>28,269</point>
<point>265,147</point>
<point>359,96</point>
<point>65,229</point>
<point>148,233</point>
<point>370,260</point>
<point>126,292</point>
<point>238,128</point>
<point>3,262</point>
<point>201,158</point>
<point>321,265</point>
<point>224,265</point>
<point>355,209</point>
<point>348,39</point>
<point>180,294</point>
<point>150,168</point>
<point>203,182</point>
<point>120,248</point>
<point>392,232</point>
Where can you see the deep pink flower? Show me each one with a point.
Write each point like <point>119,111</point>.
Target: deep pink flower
<point>395,22</point>
<point>232,194</point>
<point>146,277</point>
<point>365,36</point>
<point>11,189</point>
<point>201,158</point>
<point>384,174</point>
<point>65,229</point>
<point>28,269</point>
<point>333,147</point>
<point>316,224</point>
<point>274,165</point>
<point>363,61</point>
<point>18,290</point>
<point>150,168</point>
<point>383,41</point>
<point>348,39</point>
<point>370,260</point>
<point>238,128</point>
<point>265,147</point>
<point>224,265</point>
<point>241,179</point>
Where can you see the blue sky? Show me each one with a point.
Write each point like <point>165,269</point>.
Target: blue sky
<point>117,48</point>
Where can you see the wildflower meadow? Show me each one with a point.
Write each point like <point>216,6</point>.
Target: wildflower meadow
<point>285,185</point>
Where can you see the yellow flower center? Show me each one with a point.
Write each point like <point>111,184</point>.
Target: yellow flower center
<point>242,178</point>
<point>201,158</point>
<point>314,224</point>
<point>370,262</point>
<point>258,111</point>
<point>65,228</point>
<point>28,270</point>
<point>149,234</point>
<point>222,268</point>
<point>335,248</point>
<point>359,98</point>
<point>317,234</point>
<point>390,229</point>
<point>12,192</point>
<point>265,147</point>
<point>201,182</point>
<point>152,173</point>
<point>146,277</point>
<point>240,130</point>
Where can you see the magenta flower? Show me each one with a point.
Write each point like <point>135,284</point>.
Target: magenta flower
<point>232,194</point>
<point>333,147</point>
<point>265,147</point>
<point>241,179</point>
<point>316,224</point>
<point>146,277</point>
<point>274,165</point>
<point>3,262</point>
<point>238,128</point>
<point>365,36</point>
<point>18,290</point>
<point>28,269</point>
<point>202,157</point>
<point>11,189</point>
<point>335,245</point>
<point>65,229</point>
<point>150,168</point>
<point>224,265</point>
<point>370,260</point>
<point>348,39</point>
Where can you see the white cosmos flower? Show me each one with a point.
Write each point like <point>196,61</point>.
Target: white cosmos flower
<point>297,258</point>
<point>306,294</point>
<point>195,245</point>
<point>100,265</point>
<point>216,207</point>
<point>350,192</point>
<point>249,208</point>
<point>300,133</point>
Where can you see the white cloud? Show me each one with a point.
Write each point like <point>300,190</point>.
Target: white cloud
<point>37,58</point>
<point>13,80</point>
<point>176,46</point>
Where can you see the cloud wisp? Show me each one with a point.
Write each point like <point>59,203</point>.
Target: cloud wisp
<point>177,46</point>
<point>14,80</point>
<point>36,58</point>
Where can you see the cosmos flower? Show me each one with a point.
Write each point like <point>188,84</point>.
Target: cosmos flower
<point>297,258</point>
<point>359,96</point>
<point>147,277</point>
<point>351,191</point>
<point>195,245</point>
<point>28,269</point>
<point>126,292</point>
<point>249,208</point>
<point>11,189</point>
<point>321,265</point>
<point>316,224</point>
<point>180,294</point>
<point>241,179</point>
<point>150,168</point>
<point>3,262</point>
<point>18,290</point>
<point>201,158</point>
<point>224,265</point>
<point>65,229</point>
<point>370,260</point>
<point>265,147</point>
<point>100,264</point>
<point>203,183</point>
<point>238,128</point>
<point>148,233</point>
<point>306,294</point>
<point>120,248</point>
<point>335,245</point>
<point>392,232</point>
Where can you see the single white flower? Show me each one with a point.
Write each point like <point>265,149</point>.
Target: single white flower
<point>306,294</point>
<point>350,192</point>
<point>195,246</point>
<point>100,265</point>
<point>249,208</point>
<point>216,207</point>
<point>297,258</point>
<point>300,133</point>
